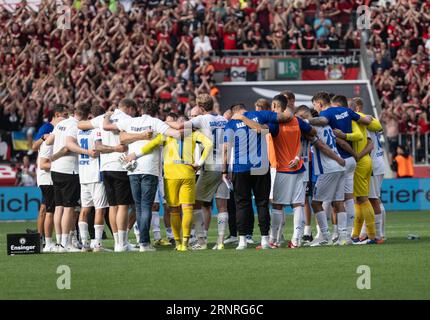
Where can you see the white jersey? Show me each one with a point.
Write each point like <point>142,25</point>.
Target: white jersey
<point>67,164</point>
<point>377,154</point>
<point>110,161</point>
<point>89,168</point>
<point>149,163</point>
<point>212,126</point>
<point>322,164</point>
<point>43,176</point>
<point>304,154</point>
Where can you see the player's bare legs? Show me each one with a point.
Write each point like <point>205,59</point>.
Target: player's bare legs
<point>58,215</point>
<point>48,225</point>
<point>41,220</point>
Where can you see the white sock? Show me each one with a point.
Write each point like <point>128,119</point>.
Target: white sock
<point>116,238</point>
<point>193,233</point>
<point>48,242</point>
<point>222,219</point>
<point>58,238</point>
<point>64,239</point>
<point>342,223</point>
<point>199,228</point>
<point>383,213</point>
<point>350,214</point>
<point>335,228</point>
<point>206,234</point>
<point>276,223</point>
<point>363,231</point>
<point>70,239</point>
<point>378,225</point>
<point>155,223</point>
<point>98,233</point>
<point>169,233</point>
<point>308,231</point>
<point>327,209</point>
<point>318,231</point>
<point>298,223</point>
<point>242,241</point>
<point>126,237</point>
<point>83,230</point>
<point>264,241</point>
<point>122,238</point>
<point>322,223</point>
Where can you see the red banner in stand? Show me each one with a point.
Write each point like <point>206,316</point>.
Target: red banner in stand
<point>330,67</point>
<point>223,63</point>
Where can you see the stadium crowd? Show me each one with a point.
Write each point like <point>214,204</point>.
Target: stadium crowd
<point>145,50</point>
<point>399,47</point>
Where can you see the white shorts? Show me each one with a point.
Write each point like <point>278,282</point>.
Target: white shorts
<point>350,165</point>
<point>272,181</point>
<point>375,186</point>
<point>210,185</point>
<point>289,189</point>
<point>330,187</point>
<point>93,195</point>
<point>159,195</point>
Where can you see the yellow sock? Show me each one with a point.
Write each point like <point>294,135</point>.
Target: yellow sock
<point>187,220</point>
<point>358,221</point>
<point>175,221</point>
<point>369,216</point>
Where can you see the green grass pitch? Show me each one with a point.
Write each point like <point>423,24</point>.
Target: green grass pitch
<point>399,270</point>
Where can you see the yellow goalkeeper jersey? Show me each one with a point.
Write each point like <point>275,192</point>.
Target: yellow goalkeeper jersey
<point>359,133</point>
<point>178,154</point>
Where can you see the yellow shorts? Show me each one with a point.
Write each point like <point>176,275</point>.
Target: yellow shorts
<point>362,176</point>
<point>179,191</point>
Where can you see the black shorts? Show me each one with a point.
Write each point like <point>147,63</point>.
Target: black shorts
<point>67,189</point>
<point>118,190</point>
<point>48,198</point>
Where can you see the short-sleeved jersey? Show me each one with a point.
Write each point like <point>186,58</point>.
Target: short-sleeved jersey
<point>212,125</point>
<point>69,163</point>
<point>149,163</point>
<point>110,161</point>
<point>249,147</point>
<point>341,118</point>
<point>89,168</point>
<point>377,154</point>
<point>44,176</point>
<point>322,164</point>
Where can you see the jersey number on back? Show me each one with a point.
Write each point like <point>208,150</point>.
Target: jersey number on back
<point>84,145</point>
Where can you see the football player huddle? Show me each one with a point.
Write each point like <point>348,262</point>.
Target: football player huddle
<point>121,167</point>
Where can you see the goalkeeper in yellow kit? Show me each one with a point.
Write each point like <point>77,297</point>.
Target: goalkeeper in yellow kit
<point>180,178</point>
<point>362,145</point>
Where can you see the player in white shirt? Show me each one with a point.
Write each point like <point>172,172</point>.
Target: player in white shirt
<point>115,178</point>
<point>330,185</point>
<point>210,183</point>
<point>93,193</point>
<point>144,177</point>
<point>378,170</point>
<point>65,177</point>
<point>44,181</point>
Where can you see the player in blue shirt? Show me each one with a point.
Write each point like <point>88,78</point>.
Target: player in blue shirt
<point>251,175</point>
<point>340,117</point>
